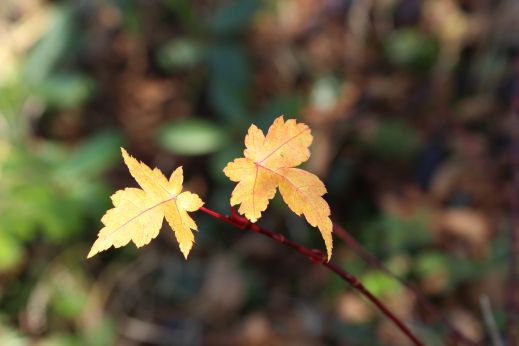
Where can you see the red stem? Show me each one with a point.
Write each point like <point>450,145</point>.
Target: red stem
<point>317,257</point>
<point>374,262</point>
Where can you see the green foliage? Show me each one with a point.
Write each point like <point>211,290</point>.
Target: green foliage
<point>380,284</point>
<point>181,53</point>
<point>69,296</point>
<point>192,137</point>
<point>95,155</point>
<point>42,185</point>
<point>65,90</point>
<point>410,49</point>
<point>50,50</point>
<point>102,333</point>
<point>47,190</point>
<point>430,263</point>
<point>11,251</point>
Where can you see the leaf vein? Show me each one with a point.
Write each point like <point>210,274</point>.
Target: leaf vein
<point>283,144</point>
<point>138,215</point>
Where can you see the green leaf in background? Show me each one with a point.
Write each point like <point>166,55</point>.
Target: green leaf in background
<point>49,189</point>
<point>408,48</point>
<point>65,90</point>
<point>234,16</point>
<point>11,250</point>
<point>192,137</point>
<point>432,268</point>
<point>96,154</point>
<point>230,83</point>
<point>429,263</point>
<point>12,97</point>
<point>50,210</point>
<point>103,333</point>
<point>47,52</point>
<point>181,53</point>
<point>69,294</point>
<point>380,284</point>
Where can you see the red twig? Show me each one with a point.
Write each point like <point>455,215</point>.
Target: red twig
<point>317,257</point>
<point>374,262</point>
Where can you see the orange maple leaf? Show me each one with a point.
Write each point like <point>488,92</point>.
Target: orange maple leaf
<point>268,164</point>
<point>137,214</point>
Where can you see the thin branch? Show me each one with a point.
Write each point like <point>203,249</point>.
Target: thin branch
<point>374,262</point>
<point>317,257</point>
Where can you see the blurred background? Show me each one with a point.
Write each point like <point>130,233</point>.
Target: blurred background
<point>409,102</point>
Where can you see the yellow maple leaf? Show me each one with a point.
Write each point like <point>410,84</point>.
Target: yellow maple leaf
<point>268,164</point>
<point>137,214</point>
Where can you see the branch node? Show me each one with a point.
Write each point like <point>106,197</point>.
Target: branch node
<point>279,237</point>
<point>238,220</point>
<point>317,256</point>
